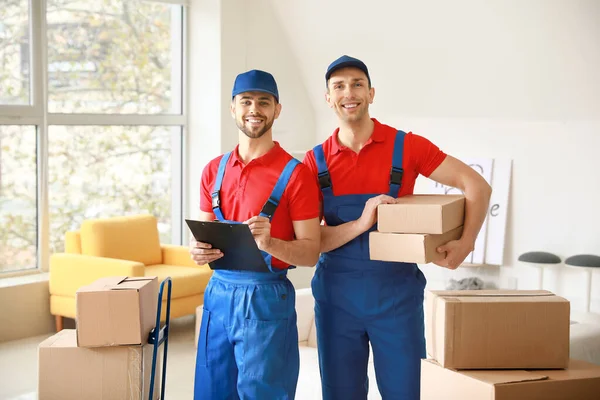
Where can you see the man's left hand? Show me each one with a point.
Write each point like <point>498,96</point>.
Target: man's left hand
<point>261,230</point>
<point>456,252</point>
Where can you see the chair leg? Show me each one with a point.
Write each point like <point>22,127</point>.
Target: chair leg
<point>59,323</point>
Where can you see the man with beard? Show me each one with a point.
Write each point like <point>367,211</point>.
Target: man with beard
<point>248,342</point>
<point>359,300</point>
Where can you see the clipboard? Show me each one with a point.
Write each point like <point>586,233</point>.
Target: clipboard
<point>240,251</point>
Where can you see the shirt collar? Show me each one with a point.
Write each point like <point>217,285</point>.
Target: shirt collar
<point>265,159</point>
<point>377,136</point>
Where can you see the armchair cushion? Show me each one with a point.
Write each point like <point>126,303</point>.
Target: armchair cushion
<point>73,242</point>
<point>68,272</point>
<point>132,238</point>
<point>176,255</point>
<point>186,281</point>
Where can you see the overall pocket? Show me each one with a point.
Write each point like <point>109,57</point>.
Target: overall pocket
<point>349,212</point>
<point>201,358</point>
<point>265,350</point>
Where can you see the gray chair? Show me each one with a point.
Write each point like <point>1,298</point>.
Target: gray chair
<point>540,259</point>
<point>588,263</point>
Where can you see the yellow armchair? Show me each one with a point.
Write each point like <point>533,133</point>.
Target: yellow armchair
<point>123,246</point>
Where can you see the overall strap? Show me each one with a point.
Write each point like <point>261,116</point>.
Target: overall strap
<point>216,198</point>
<point>396,172</point>
<point>323,172</point>
<point>271,205</point>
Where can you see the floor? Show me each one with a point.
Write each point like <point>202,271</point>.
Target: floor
<point>18,364</point>
<point>19,367</point>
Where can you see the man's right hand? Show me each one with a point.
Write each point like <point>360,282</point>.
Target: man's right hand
<point>369,214</point>
<point>203,253</point>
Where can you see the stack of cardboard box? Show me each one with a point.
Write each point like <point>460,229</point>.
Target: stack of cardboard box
<point>502,345</point>
<point>412,229</point>
<point>485,344</point>
<point>107,356</point>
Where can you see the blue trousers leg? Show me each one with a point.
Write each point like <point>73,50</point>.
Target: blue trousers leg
<point>341,335</point>
<point>216,369</point>
<point>398,345</point>
<point>343,354</point>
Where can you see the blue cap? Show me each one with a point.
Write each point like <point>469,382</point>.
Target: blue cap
<point>255,81</point>
<point>345,62</point>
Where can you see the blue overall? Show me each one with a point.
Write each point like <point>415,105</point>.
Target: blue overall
<point>360,301</point>
<point>248,341</point>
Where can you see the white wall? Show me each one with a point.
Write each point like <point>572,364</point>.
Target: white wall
<point>554,192</point>
<point>268,48</point>
<point>504,59</point>
<point>500,78</point>
<point>203,137</point>
<point>227,38</point>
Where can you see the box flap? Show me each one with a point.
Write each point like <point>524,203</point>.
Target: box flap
<point>133,283</point>
<point>49,342</point>
<point>491,293</point>
<point>429,199</point>
<point>577,369</point>
<point>497,377</point>
<point>64,338</point>
<point>141,278</point>
<point>102,284</point>
<point>496,296</point>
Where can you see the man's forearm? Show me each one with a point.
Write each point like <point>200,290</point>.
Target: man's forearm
<point>477,200</point>
<point>302,252</point>
<point>333,237</point>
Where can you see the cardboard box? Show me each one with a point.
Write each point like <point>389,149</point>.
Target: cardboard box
<point>485,329</point>
<point>410,247</point>
<point>68,372</point>
<point>116,311</point>
<point>422,213</point>
<point>580,381</point>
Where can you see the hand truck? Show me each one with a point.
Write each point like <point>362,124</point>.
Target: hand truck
<point>160,336</point>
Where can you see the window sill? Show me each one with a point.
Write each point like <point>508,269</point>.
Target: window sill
<point>25,279</point>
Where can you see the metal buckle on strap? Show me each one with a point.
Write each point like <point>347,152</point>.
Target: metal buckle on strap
<point>396,176</point>
<point>216,200</point>
<point>270,207</point>
<point>324,180</point>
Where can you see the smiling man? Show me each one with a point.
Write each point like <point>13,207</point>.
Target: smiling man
<point>248,341</point>
<point>358,300</point>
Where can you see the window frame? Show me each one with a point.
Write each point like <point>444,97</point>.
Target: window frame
<point>36,114</point>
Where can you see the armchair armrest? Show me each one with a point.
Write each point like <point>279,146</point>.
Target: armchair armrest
<point>305,311</point>
<point>178,255</point>
<point>68,272</point>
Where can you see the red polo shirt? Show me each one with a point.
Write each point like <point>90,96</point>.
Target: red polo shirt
<point>246,188</point>
<point>369,171</point>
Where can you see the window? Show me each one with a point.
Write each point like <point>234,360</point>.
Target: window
<point>114,56</point>
<point>96,171</point>
<point>18,196</point>
<point>91,120</point>
<point>14,57</point>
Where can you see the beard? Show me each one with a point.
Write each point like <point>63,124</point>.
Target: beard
<point>254,132</point>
